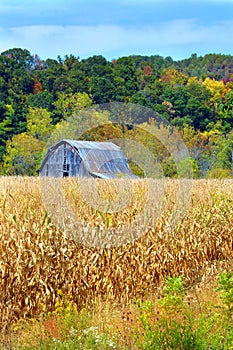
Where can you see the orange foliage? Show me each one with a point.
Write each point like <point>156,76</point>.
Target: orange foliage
<point>147,70</point>
<point>37,86</point>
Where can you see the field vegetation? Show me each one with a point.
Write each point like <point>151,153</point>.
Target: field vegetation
<point>164,289</point>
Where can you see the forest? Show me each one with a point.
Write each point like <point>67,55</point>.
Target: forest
<point>195,95</point>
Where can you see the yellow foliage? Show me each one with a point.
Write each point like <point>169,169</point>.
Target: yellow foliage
<point>174,77</point>
<point>217,88</point>
<point>39,123</point>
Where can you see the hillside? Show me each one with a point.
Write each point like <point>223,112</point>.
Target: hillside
<point>195,95</point>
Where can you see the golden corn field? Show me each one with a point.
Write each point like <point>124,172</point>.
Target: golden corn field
<point>37,261</point>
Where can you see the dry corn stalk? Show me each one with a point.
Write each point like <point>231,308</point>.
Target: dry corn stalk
<point>37,260</point>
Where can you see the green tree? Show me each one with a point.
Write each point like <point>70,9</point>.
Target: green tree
<point>22,155</point>
<point>6,125</point>
<point>223,150</point>
<point>198,106</point>
<point>102,89</point>
<point>126,81</point>
<point>43,99</point>
<point>226,112</point>
<point>50,74</point>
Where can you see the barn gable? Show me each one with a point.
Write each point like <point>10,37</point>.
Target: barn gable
<point>85,159</point>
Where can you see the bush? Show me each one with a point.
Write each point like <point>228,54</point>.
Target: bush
<point>219,173</point>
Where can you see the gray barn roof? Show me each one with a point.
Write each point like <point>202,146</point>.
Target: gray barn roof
<point>93,145</point>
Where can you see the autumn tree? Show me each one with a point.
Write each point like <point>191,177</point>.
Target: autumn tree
<point>22,155</point>
<point>68,104</point>
<point>39,123</point>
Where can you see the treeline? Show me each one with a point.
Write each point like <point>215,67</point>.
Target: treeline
<point>195,95</point>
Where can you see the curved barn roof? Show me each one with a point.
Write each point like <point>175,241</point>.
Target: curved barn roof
<point>94,145</point>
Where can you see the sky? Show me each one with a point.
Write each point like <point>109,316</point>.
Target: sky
<point>116,28</point>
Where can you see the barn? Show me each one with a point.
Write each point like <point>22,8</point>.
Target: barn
<point>69,158</point>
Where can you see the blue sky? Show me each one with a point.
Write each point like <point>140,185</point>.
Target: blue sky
<point>116,28</point>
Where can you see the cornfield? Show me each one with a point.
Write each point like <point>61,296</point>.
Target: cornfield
<point>38,261</point>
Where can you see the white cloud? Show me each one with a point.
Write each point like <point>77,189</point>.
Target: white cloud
<point>170,38</point>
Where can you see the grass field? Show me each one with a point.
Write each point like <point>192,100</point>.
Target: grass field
<point>44,273</point>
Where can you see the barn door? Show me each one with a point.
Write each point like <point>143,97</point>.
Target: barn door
<point>66,165</point>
